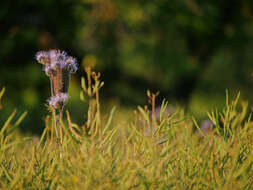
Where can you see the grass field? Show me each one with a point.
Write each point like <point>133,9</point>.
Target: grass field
<point>133,151</point>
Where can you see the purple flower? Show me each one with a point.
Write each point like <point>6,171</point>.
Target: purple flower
<point>58,100</point>
<point>58,66</point>
<point>41,57</point>
<point>54,59</point>
<point>71,63</point>
<point>57,55</point>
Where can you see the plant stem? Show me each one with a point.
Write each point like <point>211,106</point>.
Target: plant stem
<point>55,123</point>
<point>52,86</point>
<point>60,125</point>
<point>98,113</point>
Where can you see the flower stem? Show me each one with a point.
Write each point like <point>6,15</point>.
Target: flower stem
<point>52,88</point>
<point>60,125</point>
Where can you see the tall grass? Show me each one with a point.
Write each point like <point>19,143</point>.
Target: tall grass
<point>139,153</point>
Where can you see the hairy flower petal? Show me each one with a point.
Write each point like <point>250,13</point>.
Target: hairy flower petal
<point>41,56</point>
<point>57,100</point>
<point>54,59</point>
<point>71,64</point>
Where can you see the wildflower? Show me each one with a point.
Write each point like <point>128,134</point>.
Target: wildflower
<point>42,57</point>
<point>58,66</point>
<point>57,57</point>
<point>71,64</point>
<point>58,100</point>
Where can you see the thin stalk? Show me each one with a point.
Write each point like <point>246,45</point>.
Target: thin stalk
<point>153,116</point>
<point>52,86</point>
<point>60,125</point>
<point>91,116</point>
<point>98,114</point>
<point>52,130</point>
<point>55,124</point>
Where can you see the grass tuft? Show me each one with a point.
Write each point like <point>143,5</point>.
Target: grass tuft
<point>142,152</point>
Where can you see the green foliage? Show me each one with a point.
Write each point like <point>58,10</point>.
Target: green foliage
<point>134,154</point>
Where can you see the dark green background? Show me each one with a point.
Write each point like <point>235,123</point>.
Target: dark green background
<point>190,50</point>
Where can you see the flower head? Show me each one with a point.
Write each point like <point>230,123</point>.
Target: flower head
<point>54,59</point>
<point>71,63</point>
<point>42,57</point>
<point>57,56</point>
<point>58,100</point>
<point>58,66</point>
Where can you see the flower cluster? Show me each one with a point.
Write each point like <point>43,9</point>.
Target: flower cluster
<point>54,59</point>
<point>58,66</point>
<point>58,100</point>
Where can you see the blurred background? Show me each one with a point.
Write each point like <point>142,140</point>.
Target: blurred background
<point>190,50</point>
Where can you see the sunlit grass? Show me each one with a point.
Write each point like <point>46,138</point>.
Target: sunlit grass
<point>129,150</point>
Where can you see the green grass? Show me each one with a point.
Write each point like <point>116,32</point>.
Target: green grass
<point>119,151</point>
